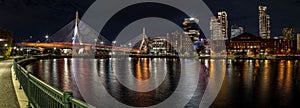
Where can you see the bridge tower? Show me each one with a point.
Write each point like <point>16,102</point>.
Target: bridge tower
<point>76,36</point>
<point>143,46</point>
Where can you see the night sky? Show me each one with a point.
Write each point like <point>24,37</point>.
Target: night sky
<point>37,18</point>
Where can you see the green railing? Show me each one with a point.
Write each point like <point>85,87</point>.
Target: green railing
<point>42,95</point>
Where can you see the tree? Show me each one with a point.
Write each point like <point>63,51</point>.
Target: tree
<point>6,39</point>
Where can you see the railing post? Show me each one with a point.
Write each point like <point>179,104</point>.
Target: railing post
<point>66,96</point>
<point>15,68</point>
<point>28,90</point>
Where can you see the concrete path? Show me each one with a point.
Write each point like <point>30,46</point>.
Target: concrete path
<point>8,97</point>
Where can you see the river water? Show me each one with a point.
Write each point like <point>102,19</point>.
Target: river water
<point>167,82</point>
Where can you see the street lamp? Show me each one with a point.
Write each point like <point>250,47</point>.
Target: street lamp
<point>95,41</point>
<point>30,37</point>
<point>129,44</point>
<point>94,47</point>
<point>47,36</point>
<point>114,42</point>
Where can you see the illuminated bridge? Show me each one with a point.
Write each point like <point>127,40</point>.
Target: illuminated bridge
<point>76,36</point>
<point>79,38</point>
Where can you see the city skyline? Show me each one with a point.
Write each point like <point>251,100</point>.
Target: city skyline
<point>149,53</point>
<point>46,18</point>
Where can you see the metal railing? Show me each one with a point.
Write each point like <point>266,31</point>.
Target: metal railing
<point>42,95</point>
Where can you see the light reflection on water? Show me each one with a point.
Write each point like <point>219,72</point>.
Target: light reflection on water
<point>260,83</point>
<point>247,83</point>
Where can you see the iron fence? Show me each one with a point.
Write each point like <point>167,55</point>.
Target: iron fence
<point>42,95</point>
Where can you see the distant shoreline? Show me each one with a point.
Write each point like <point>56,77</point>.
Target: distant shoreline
<point>149,56</point>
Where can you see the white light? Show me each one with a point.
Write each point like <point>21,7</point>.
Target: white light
<point>5,45</point>
<point>114,42</point>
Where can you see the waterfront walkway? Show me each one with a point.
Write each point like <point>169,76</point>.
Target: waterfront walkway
<point>8,97</point>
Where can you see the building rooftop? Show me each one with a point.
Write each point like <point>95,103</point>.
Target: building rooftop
<point>246,37</point>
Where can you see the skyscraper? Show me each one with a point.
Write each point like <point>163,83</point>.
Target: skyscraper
<point>288,36</point>
<point>181,43</point>
<point>264,22</point>
<point>219,33</point>
<point>191,28</point>
<point>288,33</point>
<point>219,26</point>
<point>215,29</point>
<point>222,17</point>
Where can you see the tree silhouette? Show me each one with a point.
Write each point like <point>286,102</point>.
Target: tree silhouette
<point>6,39</point>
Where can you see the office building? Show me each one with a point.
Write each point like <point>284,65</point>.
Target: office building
<point>219,33</point>
<point>264,22</point>
<point>191,28</point>
<point>222,18</point>
<point>181,43</point>
<point>236,30</point>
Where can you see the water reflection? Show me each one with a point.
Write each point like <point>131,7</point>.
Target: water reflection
<point>260,83</point>
<point>142,69</point>
<point>247,83</point>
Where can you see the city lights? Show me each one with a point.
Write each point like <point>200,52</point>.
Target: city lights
<point>216,54</point>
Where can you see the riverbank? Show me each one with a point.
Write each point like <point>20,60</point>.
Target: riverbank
<point>270,58</point>
<point>255,58</point>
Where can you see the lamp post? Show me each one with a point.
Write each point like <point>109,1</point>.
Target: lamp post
<point>95,43</point>
<point>30,38</point>
<point>4,49</point>
<point>14,51</point>
<point>47,38</point>
<point>18,51</point>
<point>129,45</point>
<point>114,43</point>
<point>95,40</point>
<point>54,51</point>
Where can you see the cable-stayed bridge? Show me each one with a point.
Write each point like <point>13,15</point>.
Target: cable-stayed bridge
<point>76,35</point>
